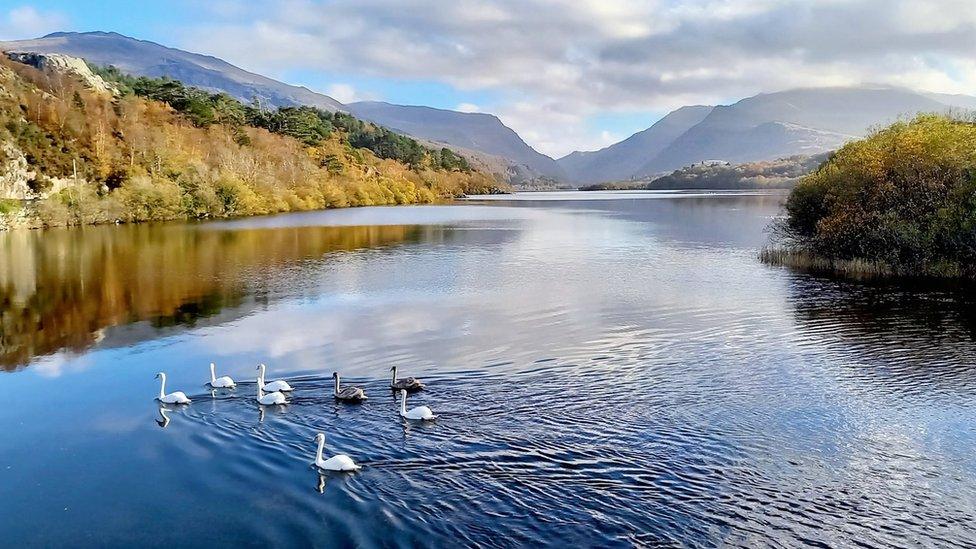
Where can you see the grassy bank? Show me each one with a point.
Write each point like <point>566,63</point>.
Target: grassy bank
<point>161,151</point>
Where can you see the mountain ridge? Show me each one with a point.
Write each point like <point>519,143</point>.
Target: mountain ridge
<point>146,58</point>
<point>795,121</point>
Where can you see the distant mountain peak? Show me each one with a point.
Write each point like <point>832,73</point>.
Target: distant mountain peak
<point>622,160</point>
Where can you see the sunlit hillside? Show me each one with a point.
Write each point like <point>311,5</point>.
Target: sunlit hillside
<point>98,156</point>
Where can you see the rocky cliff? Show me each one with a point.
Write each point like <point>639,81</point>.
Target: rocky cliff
<point>16,176</point>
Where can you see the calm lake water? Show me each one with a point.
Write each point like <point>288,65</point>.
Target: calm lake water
<point>610,369</point>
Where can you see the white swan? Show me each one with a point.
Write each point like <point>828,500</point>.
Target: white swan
<point>408,383</point>
<point>420,412</point>
<point>276,385</point>
<point>176,397</point>
<point>269,399</point>
<point>350,393</point>
<point>339,462</point>
<point>223,382</point>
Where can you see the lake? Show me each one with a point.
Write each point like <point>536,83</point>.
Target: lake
<point>610,369</point>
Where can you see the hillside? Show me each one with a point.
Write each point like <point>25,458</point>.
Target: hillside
<point>156,149</point>
<point>782,173</point>
<point>519,176</point>
<point>144,58</point>
<point>482,138</point>
<point>473,131</point>
<point>624,159</point>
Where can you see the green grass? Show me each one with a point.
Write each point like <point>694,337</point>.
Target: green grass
<point>9,205</point>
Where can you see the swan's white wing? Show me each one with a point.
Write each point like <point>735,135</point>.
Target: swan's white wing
<point>277,385</point>
<point>176,397</point>
<point>421,412</point>
<point>222,382</point>
<point>273,398</point>
<point>339,462</point>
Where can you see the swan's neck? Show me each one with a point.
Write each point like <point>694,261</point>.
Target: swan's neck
<point>213,375</point>
<point>318,454</point>
<point>394,374</point>
<point>162,385</point>
<point>403,404</point>
<point>260,387</point>
<point>261,373</point>
<point>337,385</point>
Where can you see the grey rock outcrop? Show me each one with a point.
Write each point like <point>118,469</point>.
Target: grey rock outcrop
<point>63,64</point>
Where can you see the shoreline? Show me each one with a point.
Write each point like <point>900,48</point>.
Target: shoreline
<point>860,269</point>
<point>26,217</point>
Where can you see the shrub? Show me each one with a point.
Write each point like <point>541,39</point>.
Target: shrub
<point>903,198</point>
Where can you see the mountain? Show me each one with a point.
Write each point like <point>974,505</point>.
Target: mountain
<point>622,160</point>
<point>473,131</point>
<point>767,126</point>
<point>800,121</point>
<point>144,58</point>
<point>958,101</point>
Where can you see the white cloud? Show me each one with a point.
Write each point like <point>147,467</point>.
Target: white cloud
<point>570,59</point>
<point>344,93</point>
<point>467,107</point>
<point>27,22</point>
<point>608,138</point>
<point>55,365</point>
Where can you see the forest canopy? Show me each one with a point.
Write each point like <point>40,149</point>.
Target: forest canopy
<point>310,125</point>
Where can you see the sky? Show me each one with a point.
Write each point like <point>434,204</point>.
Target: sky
<point>565,74</point>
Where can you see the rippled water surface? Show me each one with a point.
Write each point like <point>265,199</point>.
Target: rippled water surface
<point>610,369</point>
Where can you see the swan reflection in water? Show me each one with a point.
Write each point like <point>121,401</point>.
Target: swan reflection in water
<point>164,419</point>
<point>220,394</point>
<point>323,479</point>
<point>278,409</point>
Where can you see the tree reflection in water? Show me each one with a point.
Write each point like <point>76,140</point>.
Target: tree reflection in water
<point>60,289</point>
